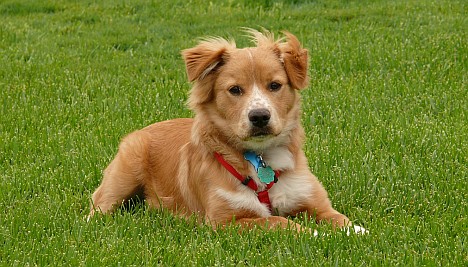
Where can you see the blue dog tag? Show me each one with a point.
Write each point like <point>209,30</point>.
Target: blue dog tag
<point>253,159</point>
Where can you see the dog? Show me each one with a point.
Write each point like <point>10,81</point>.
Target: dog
<point>240,159</point>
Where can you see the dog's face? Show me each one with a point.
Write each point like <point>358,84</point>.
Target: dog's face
<point>251,93</point>
<point>253,96</point>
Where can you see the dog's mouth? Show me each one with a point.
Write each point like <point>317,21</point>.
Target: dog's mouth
<point>259,138</point>
<point>260,135</point>
<point>257,132</point>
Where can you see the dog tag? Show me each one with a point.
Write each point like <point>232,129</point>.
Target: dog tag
<point>266,175</point>
<point>253,159</point>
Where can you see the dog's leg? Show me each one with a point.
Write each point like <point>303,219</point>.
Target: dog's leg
<point>116,187</point>
<point>272,223</point>
<point>123,177</point>
<point>320,206</point>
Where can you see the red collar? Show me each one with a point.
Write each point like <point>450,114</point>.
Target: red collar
<point>263,196</point>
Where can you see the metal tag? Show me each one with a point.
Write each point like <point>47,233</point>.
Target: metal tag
<point>266,174</point>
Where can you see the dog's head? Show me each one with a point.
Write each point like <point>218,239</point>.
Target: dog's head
<point>249,94</point>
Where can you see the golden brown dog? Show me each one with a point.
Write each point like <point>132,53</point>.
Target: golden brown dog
<point>240,159</point>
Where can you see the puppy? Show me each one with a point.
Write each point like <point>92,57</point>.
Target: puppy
<point>240,160</point>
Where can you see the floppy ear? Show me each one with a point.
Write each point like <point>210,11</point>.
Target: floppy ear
<point>295,60</point>
<point>205,57</point>
<point>200,62</point>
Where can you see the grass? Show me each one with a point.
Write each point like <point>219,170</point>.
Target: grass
<point>385,115</point>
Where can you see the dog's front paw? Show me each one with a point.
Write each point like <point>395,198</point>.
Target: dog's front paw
<point>357,230</point>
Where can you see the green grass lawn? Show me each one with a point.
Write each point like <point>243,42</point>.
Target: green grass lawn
<point>386,115</point>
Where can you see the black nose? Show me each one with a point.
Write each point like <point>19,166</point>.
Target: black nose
<point>259,117</point>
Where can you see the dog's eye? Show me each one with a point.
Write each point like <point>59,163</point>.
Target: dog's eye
<point>274,86</point>
<point>235,90</point>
